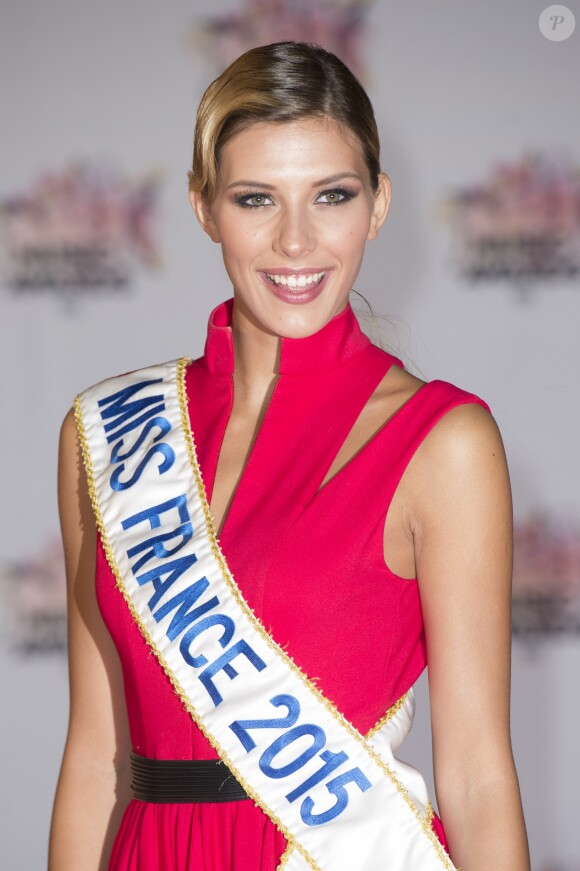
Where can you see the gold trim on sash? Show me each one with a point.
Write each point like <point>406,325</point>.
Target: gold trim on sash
<point>423,819</point>
<point>388,716</point>
<point>286,855</point>
<point>182,363</point>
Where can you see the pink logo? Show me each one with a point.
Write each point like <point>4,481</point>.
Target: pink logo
<point>337,25</point>
<point>35,600</point>
<point>85,228</point>
<point>546,586</point>
<point>521,225</point>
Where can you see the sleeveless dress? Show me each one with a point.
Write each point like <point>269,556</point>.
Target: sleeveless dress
<point>308,559</point>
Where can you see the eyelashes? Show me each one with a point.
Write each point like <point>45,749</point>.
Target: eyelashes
<point>245,200</point>
<point>341,195</point>
<point>258,199</point>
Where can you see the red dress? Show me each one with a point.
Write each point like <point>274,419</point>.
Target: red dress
<point>308,559</point>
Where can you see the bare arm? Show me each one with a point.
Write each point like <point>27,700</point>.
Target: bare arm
<point>92,789</point>
<point>462,528</point>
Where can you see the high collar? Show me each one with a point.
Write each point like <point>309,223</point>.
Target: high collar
<point>333,345</point>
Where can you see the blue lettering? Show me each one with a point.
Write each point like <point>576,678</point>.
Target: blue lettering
<point>318,741</point>
<point>117,408</point>
<point>184,618</point>
<point>153,514</point>
<point>201,626</point>
<point>174,569</point>
<point>222,663</point>
<point>167,462</point>
<point>161,422</point>
<point>157,548</point>
<point>134,423</point>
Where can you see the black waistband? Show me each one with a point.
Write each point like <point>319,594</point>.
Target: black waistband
<point>183,781</point>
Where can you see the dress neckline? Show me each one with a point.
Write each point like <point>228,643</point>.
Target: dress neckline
<point>335,344</point>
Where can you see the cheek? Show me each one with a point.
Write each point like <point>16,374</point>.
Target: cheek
<point>238,242</point>
<point>349,236</point>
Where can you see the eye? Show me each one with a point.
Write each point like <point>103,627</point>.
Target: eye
<point>335,197</point>
<point>252,201</point>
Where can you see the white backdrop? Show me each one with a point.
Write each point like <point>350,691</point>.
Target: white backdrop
<point>457,87</point>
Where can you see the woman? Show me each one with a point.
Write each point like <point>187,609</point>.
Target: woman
<point>365,517</point>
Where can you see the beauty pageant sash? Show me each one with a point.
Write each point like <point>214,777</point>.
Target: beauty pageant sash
<point>343,801</point>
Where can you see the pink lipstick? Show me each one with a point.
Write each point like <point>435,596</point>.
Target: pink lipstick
<point>296,286</point>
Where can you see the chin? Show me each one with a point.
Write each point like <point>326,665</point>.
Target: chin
<point>301,324</point>
<point>292,321</point>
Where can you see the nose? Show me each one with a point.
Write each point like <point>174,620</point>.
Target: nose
<point>294,235</point>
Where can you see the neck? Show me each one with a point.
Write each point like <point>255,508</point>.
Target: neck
<point>257,357</point>
<point>260,356</point>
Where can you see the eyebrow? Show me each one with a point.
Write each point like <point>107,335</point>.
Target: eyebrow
<point>330,179</point>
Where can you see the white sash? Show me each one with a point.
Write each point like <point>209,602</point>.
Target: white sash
<point>342,800</point>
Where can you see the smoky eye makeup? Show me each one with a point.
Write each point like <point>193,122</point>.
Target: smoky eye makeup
<point>337,196</point>
<point>245,198</point>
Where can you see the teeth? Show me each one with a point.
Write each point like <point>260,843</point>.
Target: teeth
<point>294,281</point>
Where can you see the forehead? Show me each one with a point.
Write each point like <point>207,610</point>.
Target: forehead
<point>297,149</point>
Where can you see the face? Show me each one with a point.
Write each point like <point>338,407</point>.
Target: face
<point>293,210</point>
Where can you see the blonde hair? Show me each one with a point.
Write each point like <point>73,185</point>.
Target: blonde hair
<point>280,82</point>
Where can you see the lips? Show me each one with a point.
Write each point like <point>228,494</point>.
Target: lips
<point>296,286</point>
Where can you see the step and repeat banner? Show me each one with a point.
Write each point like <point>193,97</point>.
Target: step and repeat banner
<point>477,274</point>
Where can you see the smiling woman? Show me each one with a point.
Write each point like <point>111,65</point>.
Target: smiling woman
<point>266,545</point>
<point>304,138</point>
<point>292,211</point>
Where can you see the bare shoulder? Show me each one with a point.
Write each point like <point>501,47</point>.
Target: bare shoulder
<point>459,467</point>
<point>465,435</point>
<point>70,466</point>
<point>76,515</point>
<point>68,432</point>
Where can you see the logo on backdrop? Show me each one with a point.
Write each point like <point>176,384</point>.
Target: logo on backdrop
<point>338,25</point>
<point>34,602</point>
<point>557,23</point>
<point>521,225</point>
<point>83,229</point>
<point>546,588</point>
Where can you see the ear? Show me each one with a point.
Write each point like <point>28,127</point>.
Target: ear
<point>382,201</point>
<point>204,215</point>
